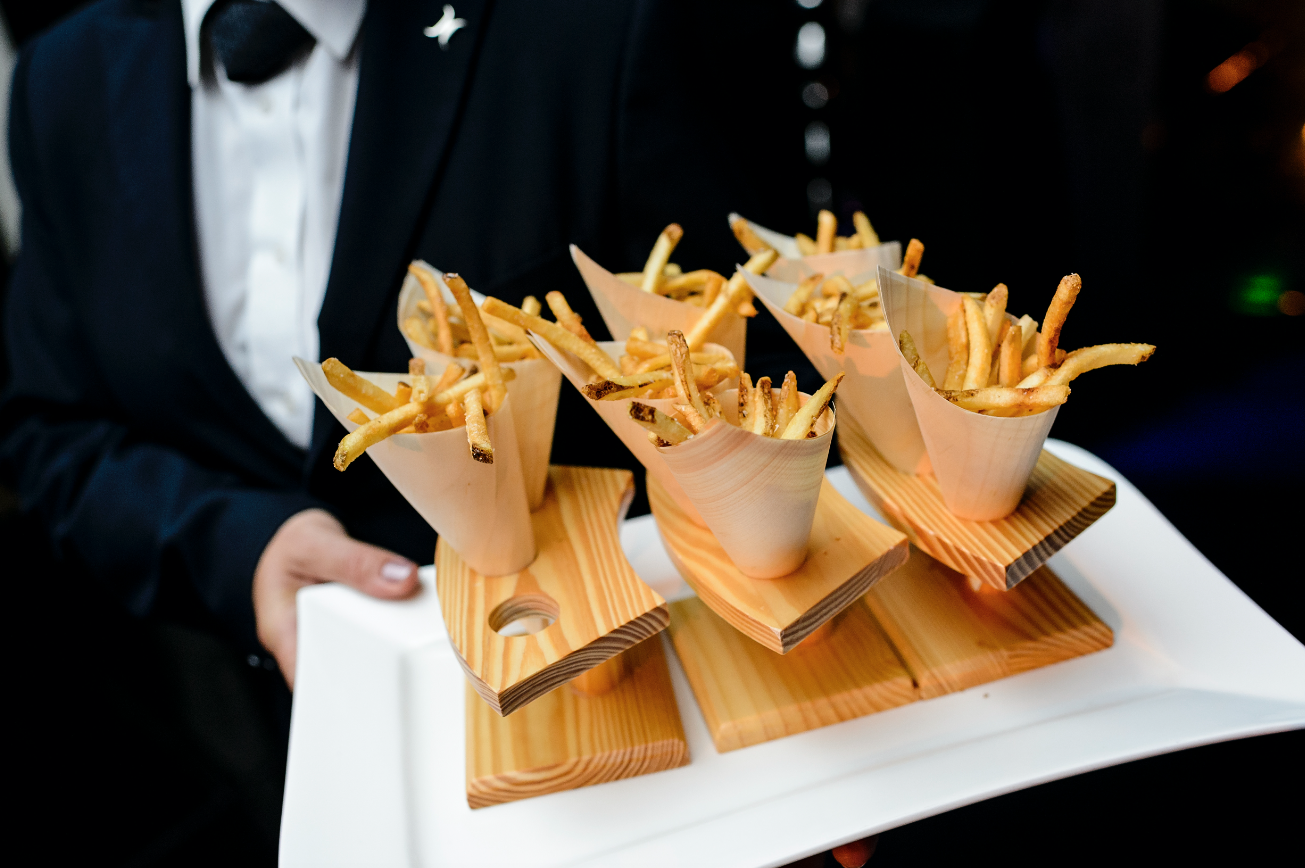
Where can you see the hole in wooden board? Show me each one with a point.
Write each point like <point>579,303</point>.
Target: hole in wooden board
<point>524,614</point>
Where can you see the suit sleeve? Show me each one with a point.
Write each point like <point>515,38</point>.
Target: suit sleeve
<point>144,520</point>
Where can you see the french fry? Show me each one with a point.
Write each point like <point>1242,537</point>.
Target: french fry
<point>456,415</point>
<point>356,442</point>
<point>689,281</point>
<point>994,398</point>
<point>735,292</point>
<point>749,239</point>
<point>531,305</point>
<point>840,328</point>
<point>495,390</point>
<point>567,318</point>
<point>477,431</point>
<point>476,382</point>
<point>864,231</point>
<point>994,311</point>
<point>806,245</point>
<point>591,355</point>
<point>1086,359</point>
<point>668,430</point>
<point>1028,334</point>
<point>911,259</point>
<point>416,367</point>
<point>358,417</point>
<point>417,332</point>
<point>452,373</point>
<point>504,330</point>
<point>370,395</point>
<point>913,359</point>
<point>1008,358</point>
<point>745,398</point>
<point>681,368</point>
<point>805,419</point>
<point>980,363</point>
<point>761,418</point>
<point>426,277</point>
<point>1061,303</point>
<point>797,302</point>
<point>403,393</point>
<point>789,402</point>
<point>958,349</point>
<point>826,228</point>
<point>660,255</point>
<point>642,348</point>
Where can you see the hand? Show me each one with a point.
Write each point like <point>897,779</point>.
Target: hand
<point>310,548</point>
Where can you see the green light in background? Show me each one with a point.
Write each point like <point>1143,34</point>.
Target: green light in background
<point>1258,295</point>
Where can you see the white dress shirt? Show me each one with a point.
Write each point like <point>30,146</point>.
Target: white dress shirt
<point>269,163</point>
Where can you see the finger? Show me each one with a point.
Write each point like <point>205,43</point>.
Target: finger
<point>854,854</point>
<point>333,556</point>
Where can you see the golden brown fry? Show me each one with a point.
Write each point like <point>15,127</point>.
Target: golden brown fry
<point>789,402</point>
<point>660,255</point>
<point>531,305</point>
<point>806,244</point>
<point>749,239</point>
<point>912,356</point>
<point>735,292</point>
<point>658,423</point>
<point>826,227</point>
<point>1029,366</point>
<point>996,398</point>
<point>456,415</point>
<point>365,392</point>
<point>1090,358</point>
<point>356,442</point>
<point>797,302</point>
<point>840,328</point>
<point>642,348</point>
<point>452,373</point>
<point>682,369</point>
<point>477,431</point>
<point>1028,332</point>
<point>495,390</point>
<point>1008,358</point>
<point>864,231</point>
<point>980,363</point>
<point>994,311</point>
<point>713,289</point>
<point>958,349</point>
<point>745,398</point>
<point>688,282</point>
<point>805,419</point>
<point>504,330</point>
<point>590,354</point>
<point>455,392</point>
<point>911,260</point>
<point>417,332</point>
<point>567,318</point>
<point>1061,302</point>
<point>426,277</point>
<point>403,393</point>
<point>358,417</point>
<point>761,416</point>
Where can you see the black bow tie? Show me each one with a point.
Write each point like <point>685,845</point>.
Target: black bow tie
<point>254,40</point>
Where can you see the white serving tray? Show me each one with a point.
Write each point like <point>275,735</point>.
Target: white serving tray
<point>376,767</point>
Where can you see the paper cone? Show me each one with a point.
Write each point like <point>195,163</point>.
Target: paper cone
<point>757,494</point>
<point>534,393</point>
<point>479,509</point>
<point>872,391</point>
<point>617,416</point>
<point>857,266</point>
<point>625,307</point>
<point>982,463</point>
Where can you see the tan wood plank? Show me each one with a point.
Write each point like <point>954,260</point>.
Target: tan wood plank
<point>580,576</point>
<point>952,637</point>
<point>566,740</point>
<point>749,694</point>
<point>1060,503</point>
<point>848,553</point>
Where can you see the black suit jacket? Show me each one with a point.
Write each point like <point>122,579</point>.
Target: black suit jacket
<point>124,428</point>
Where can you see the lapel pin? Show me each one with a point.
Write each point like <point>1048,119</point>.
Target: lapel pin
<point>445,27</point>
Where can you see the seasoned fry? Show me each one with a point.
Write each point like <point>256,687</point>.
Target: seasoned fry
<point>750,240</point>
<point>1008,358</point>
<point>761,417</point>
<point>681,368</point>
<point>567,318</point>
<point>496,391</point>
<point>425,275</point>
<point>477,431</point>
<point>1061,303</point>
<point>994,311</point>
<point>826,228</point>
<point>958,349</point>
<point>995,398</point>
<point>913,359</point>
<point>1090,358</point>
<point>980,364</point>
<point>370,395</point>
<point>590,354</point>
<point>805,419</point>
<point>911,259</point>
<point>356,442</point>
<point>664,427</point>
<point>840,328</point>
<point>745,399</point>
<point>660,255</point>
<point>864,231</point>
<point>789,402</point>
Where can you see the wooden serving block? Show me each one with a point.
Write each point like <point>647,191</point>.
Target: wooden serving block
<point>749,694</point>
<point>920,633</point>
<point>847,554</point>
<point>566,740</point>
<point>580,577</point>
<point>1061,501</point>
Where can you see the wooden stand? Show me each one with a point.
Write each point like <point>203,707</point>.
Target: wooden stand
<point>580,578</point>
<point>566,740</point>
<point>1060,502</point>
<point>848,553</point>
<point>920,633</point>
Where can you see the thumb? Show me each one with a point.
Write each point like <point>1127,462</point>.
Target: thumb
<point>377,572</point>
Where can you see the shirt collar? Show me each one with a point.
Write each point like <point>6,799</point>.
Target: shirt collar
<point>334,23</point>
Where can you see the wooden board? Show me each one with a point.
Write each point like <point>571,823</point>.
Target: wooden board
<point>1060,503</point>
<point>848,553</point>
<point>565,740</point>
<point>749,694</point>
<point>920,633</point>
<point>580,577</point>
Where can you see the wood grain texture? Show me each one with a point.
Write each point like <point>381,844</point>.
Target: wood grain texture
<point>565,740</point>
<point>952,637</point>
<point>748,694</point>
<point>580,576</point>
<point>1061,501</point>
<point>848,552</point>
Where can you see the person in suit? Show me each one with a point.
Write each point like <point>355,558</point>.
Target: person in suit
<point>209,189</point>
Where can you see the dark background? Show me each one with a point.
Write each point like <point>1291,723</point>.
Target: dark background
<point>1019,141</point>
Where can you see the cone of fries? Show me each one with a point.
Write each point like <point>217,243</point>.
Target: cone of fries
<point>855,256</point>
<point>984,421</point>
<point>435,331</point>
<point>662,298</point>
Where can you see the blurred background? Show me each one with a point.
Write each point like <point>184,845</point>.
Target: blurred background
<point>1156,148</point>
